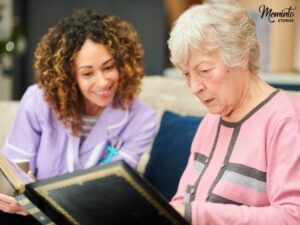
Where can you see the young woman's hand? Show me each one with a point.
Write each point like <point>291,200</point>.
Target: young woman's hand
<point>30,174</point>
<point>9,204</point>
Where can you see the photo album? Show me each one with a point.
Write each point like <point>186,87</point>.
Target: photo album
<point>112,193</point>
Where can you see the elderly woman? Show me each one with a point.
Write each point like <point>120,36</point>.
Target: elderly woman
<point>244,166</point>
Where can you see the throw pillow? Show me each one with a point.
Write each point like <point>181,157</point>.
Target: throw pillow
<point>170,151</point>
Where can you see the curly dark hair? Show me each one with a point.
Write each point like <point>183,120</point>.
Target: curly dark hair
<point>55,68</point>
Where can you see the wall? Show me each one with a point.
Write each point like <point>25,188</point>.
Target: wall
<point>297,47</point>
<point>5,87</point>
<point>5,60</point>
<point>147,16</point>
<point>282,37</point>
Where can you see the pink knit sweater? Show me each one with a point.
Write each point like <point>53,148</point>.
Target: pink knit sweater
<point>246,172</point>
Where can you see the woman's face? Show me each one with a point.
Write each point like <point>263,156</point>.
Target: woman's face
<point>219,87</point>
<point>97,76</point>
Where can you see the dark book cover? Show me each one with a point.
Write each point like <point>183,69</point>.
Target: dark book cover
<point>108,194</point>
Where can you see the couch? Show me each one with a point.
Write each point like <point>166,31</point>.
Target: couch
<point>178,114</point>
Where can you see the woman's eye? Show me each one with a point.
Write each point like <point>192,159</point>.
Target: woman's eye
<point>204,72</point>
<point>110,67</point>
<point>87,74</point>
<point>185,74</point>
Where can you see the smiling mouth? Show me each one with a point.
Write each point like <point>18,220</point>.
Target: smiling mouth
<point>106,92</point>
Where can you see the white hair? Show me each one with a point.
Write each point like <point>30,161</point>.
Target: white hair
<point>221,25</point>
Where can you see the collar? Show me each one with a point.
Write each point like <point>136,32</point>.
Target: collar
<point>106,127</point>
<point>105,130</point>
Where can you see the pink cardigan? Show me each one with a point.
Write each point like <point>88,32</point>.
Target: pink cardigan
<point>246,172</point>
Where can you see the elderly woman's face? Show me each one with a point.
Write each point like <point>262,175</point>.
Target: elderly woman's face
<point>219,87</point>
<point>97,76</point>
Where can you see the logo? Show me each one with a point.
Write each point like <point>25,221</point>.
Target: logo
<point>285,15</point>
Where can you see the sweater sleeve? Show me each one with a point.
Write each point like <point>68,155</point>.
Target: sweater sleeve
<point>179,196</point>
<point>283,186</point>
<point>23,139</point>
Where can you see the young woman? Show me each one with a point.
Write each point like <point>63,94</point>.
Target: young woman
<point>83,109</point>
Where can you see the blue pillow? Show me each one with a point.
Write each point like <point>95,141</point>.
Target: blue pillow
<point>170,151</point>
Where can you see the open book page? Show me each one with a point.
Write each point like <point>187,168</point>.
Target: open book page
<point>12,183</point>
<point>34,211</point>
<point>12,178</point>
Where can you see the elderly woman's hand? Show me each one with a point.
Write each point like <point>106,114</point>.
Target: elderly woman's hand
<point>9,204</point>
<point>180,209</point>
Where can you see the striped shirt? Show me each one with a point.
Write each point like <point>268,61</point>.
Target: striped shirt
<point>88,122</point>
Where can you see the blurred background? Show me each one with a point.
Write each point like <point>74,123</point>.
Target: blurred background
<point>23,22</point>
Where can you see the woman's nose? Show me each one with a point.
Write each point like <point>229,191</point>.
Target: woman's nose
<point>101,80</point>
<point>196,84</point>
